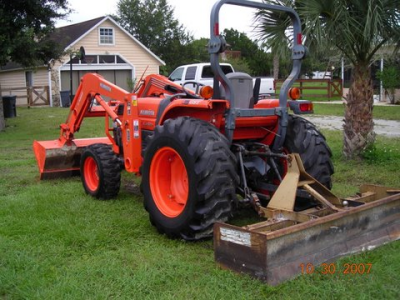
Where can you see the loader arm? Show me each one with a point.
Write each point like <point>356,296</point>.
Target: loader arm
<point>92,86</point>
<point>61,157</point>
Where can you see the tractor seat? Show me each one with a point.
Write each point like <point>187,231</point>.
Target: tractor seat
<point>242,84</point>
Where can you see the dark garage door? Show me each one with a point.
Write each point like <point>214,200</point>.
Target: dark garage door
<point>118,77</point>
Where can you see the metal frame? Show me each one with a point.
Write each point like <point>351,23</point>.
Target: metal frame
<point>217,45</point>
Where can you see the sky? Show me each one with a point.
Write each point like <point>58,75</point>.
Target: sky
<point>193,14</point>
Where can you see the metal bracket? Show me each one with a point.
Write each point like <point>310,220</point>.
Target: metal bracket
<point>296,176</point>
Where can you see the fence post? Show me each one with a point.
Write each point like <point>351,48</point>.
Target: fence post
<point>329,89</point>
<point>30,96</point>
<point>301,87</point>
<point>47,94</point>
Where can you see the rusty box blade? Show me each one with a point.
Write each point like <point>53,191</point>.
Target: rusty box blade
<point>275,250</point>
<point>56,160</point>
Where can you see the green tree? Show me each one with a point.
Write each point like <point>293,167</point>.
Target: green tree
<point>199,51</point>
<point>357,29</point>
<point>390,77</point>
<point>239,65</point>
<point>24,26</point>
<point>271,27</point>
<point>239,41</point>
<point>257,60</point>
<point>153,23</point>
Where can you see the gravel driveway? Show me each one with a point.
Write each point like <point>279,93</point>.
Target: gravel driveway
<point>382,127</point>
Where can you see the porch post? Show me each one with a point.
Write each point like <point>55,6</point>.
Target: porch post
<point>380,85</point>
<point>50,87</point>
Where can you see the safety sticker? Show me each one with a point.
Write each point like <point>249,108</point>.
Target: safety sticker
<point>134,100</point>
<point>129,108</point>
<point>136,129</point>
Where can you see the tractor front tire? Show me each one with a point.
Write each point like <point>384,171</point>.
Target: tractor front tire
<point>303,138</point>
<point>189,178</point>
<point>100,171</point>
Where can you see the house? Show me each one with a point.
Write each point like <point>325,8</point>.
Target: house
<point>110,51</point>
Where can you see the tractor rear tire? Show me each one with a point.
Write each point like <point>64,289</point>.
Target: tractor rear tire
<point>189,178</point>
<point>302,137</point>
<point>100,171</point>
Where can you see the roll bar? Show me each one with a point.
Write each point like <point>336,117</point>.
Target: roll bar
<point>217,45</point>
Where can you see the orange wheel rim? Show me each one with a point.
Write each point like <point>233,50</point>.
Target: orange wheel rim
<point>91,174</point>
<point>169,182</point>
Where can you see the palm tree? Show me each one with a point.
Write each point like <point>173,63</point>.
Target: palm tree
<point>357,29</point>
<point>271,28</point>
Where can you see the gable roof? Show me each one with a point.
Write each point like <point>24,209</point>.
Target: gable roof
<point>10,66</point>
<point>69,35</point>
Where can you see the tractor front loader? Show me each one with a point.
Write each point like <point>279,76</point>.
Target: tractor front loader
<point>204,154</point>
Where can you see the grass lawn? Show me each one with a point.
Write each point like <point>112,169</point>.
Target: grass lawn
<point>58,243</point>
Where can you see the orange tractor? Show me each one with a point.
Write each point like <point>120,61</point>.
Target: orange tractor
<point>201,154</point>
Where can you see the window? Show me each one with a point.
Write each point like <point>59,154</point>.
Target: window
<point>208,73</point>
<point>93,59</point>
<point>106,36</point>
<point>176,75</point>
<point>29,78</point>
<point>190,73</point>
<point>107,59</point>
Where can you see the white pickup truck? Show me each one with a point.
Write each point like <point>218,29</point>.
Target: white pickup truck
<point>202,73</point>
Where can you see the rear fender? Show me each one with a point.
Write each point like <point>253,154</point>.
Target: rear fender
<point>299,107</point>
<point>211,111</point>
<point>267,103</point>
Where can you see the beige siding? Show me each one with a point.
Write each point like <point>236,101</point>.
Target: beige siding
<point>124,46</point>
<point>41,77</point>
<point>127,48</point>
<point>12,80</point>
<point>17,79</point>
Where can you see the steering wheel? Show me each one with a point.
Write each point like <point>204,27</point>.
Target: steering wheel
<point>195,83</point>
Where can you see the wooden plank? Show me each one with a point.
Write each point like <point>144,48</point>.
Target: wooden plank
<point>38,95</point>
<point>239,250</point>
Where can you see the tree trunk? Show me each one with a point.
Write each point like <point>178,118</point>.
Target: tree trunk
<point>276,66</point>
<point>2,122</point>
<point>358,122</point>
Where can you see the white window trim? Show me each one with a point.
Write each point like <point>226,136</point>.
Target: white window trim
<point>113,36</point>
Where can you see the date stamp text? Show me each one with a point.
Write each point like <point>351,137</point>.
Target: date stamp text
<point>331,269</point>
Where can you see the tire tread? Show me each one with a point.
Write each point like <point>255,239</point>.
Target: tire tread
<point>214,168</point>
<point>110,173</point>
<point>304,138</point>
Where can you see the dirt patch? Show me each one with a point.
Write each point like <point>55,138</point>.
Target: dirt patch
<point>382,127</point>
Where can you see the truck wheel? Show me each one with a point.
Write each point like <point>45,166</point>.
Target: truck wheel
<point>189,178</point>
<point>302,137</point>
<point>100,171</point>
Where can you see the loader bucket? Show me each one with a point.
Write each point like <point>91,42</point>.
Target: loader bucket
<point>56,160</point>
